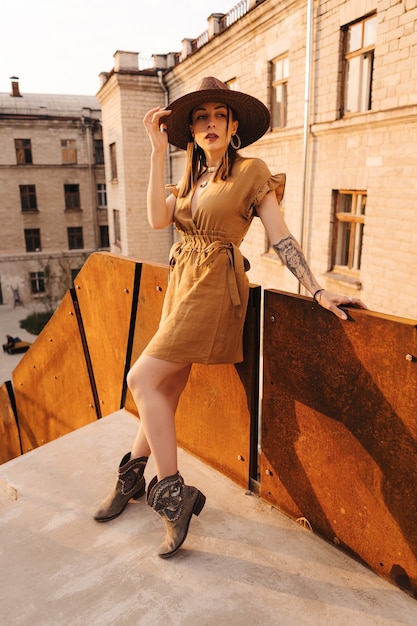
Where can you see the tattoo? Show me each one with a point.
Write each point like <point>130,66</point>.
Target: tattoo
<point>291,254</point>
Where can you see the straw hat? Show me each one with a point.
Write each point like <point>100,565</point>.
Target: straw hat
<point>252,114</point>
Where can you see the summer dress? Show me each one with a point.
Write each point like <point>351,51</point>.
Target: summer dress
<point>205,303</point>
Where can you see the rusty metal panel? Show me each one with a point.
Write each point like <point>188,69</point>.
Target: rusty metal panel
<point>105,290</point>
<point>52,384</point>
<point>339,429</point>
<point>9,432</point>
<point>218,412</point>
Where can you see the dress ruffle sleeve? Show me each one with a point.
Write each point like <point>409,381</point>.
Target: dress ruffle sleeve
<point>276,183</point>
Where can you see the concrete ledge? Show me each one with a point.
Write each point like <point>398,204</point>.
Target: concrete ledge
<point>242,563</point>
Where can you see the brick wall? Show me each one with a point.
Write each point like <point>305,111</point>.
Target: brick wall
<point>374,151</point>
<point>49,176</point>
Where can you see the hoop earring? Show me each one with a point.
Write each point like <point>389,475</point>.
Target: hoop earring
<point>235,139</point>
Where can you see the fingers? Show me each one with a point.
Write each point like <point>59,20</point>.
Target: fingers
<point>358,303</point>
<point>153,117</point>
<point>339,313</point>
<point>156,129</point>
<point>333,302</point>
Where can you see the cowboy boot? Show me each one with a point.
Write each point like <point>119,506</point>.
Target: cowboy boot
<point>176,503</point>
<point>130,484</point>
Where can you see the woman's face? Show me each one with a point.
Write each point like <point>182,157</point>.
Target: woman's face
<point>211,129</point>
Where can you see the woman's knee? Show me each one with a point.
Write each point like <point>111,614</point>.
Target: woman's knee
<point>149,375</point>
<point>135,378</point>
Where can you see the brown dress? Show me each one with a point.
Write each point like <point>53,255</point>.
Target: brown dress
<point>205,303</point>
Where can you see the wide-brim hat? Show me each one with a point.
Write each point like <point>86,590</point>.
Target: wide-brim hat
<point>251,113</point>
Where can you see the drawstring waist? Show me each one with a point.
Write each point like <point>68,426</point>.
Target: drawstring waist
<point>206,251</point>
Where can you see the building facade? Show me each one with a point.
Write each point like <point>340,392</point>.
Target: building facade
<point>340,80</point>
<point>53,207</point>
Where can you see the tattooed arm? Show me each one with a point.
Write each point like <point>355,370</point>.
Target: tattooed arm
<point>291,254</point>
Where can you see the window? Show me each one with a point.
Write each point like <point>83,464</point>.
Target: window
<point>74,273</point>
<point>98,151</point>
<point>72,198</point>
<point>349,224</point>
<point>75,237</point>
<point>116,226</point>
<point>113,161</point>
<point>69,151</point>
<point>23,151</point>
<point>37,282</point>
<point>28,197</point>
<point>101,196</point>
<point>104,236</point>
<point>359,47</point>
<point>279,90</point>
<point>33,239</point>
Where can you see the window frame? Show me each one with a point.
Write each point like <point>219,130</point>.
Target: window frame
<point>362,88</point>
<point>116,227</point>
<point>23,151</point>
<point>72,197</point>
<point>33,239</point>
<point>281,83</point>
<point>98,152</point>
<point>101,190</point>
<point>28,200</point>
<point>104,236</point>
<point>113,161</point>
<point>352,247</point>
<point>69,151</point>
<point>75,237</point>
<point>37,282</point>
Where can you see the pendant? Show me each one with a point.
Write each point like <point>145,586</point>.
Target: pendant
<point>204,184</point>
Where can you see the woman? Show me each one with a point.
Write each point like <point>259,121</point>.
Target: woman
<point>205,304</point>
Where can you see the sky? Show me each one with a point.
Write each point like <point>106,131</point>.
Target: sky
<point>61,46</point>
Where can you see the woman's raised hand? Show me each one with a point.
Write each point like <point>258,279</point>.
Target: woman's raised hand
<point>156,130</point>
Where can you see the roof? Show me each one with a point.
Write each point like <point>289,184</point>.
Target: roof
<point>48,105</point>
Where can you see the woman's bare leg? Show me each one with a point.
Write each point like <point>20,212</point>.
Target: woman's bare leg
<point>156,386</point>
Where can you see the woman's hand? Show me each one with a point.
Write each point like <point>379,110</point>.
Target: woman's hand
<point>332,302</point>
<point>156,130</point>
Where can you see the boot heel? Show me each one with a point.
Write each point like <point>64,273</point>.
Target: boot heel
<point>199,503</point>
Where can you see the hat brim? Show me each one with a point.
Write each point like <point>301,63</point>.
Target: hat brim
<point>251,113</point>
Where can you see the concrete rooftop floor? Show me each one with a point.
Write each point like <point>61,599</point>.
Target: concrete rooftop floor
<point>243,562</point>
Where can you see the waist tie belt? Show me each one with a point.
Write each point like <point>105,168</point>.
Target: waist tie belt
<point>207,252</point>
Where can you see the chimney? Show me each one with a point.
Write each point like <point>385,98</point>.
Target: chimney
<point>15,87</point>
<point>126,61</point>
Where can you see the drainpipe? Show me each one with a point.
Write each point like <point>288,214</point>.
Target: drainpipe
<point>89,140</point>
<point>161,81</point>
<point>306,131</point>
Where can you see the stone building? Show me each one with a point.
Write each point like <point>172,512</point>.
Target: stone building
<point>340,80</point>
<point>53,207</point>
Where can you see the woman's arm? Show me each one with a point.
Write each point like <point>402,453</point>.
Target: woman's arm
<point>160,208</point>
<point>291,254</point>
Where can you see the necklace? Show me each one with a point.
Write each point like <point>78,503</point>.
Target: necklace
<point>209,170</point>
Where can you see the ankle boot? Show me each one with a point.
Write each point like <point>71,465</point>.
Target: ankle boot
<point>176,503</point>
<point>130,484</point>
